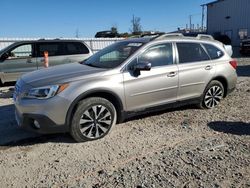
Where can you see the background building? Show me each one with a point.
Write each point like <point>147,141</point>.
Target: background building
<point>229,17</point>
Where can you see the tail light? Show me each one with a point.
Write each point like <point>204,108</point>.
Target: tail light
<point>233,63</point>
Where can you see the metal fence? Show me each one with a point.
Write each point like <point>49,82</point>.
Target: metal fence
<point>95,44</point>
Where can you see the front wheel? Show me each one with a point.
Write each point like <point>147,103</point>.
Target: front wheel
<point>93,119</point>
<point>213,94</point>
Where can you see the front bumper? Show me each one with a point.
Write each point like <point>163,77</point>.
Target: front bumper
<point>50,114</point>
<point>46,125</point>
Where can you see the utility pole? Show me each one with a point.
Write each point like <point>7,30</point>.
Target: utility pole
<point>190,22</point>
<point>133,23</point>
<point>191,26</point>
<point>202,17</point>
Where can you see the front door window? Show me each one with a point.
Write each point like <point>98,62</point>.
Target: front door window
<point>22,51</point>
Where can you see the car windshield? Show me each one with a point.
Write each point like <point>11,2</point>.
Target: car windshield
<point>113,55</point>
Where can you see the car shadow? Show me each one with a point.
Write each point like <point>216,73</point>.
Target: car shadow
<point>39,139</point>
<point>236,128</point>
<point>6,93</point>
<point>7,84</point>
<point>243,70</point>
<point>156,112</point>
<point>12,135</point>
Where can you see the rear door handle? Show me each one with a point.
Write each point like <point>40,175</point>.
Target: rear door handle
<point>209,67</point>
<point>172,74</point>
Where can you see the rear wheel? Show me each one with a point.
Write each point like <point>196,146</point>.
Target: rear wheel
<point>213,94</point>
<point>93,119</point>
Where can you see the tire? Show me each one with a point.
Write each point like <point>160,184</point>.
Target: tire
<point>212,95</point>
<point>93,119</point>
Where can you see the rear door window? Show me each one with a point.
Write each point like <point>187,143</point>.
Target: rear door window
<point>72,48</point>
<point>191,52</point>
<point>53,48</point>
<point>213,52</point>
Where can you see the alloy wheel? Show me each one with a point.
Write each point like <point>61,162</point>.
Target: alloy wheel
<point>95,121</point>
<point>213,96</point>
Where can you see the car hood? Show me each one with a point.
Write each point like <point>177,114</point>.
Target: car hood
<point>60,74</point>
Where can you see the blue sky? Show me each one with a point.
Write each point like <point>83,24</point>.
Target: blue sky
<point>62,18</point>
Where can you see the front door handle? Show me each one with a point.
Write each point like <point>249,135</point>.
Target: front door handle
<point>172,74</point>
<point>209,67</point>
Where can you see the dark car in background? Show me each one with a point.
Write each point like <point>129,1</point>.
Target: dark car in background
<point>245,47</point>
<point>26,56</point>
<point>106,34</point>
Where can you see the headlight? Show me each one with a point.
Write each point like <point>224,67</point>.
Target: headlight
<point>45,92</point>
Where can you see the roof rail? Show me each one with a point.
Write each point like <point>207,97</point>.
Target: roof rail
<point>169,35</point>
<point>203,36</point>
<point>152,34</point>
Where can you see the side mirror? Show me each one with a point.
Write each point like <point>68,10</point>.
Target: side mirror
<point>4,56</point>
<point>142,66</point>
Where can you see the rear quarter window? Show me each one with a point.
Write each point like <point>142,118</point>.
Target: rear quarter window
<point>72,48</point>
<point>213,52</point>
<point>191,52</point>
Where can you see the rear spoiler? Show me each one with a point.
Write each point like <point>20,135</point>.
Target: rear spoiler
<point>228,49</point>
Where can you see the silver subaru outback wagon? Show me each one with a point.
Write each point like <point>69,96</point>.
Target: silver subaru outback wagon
<point>127,78</point>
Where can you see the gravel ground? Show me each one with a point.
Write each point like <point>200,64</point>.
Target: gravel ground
<point>183,147</point>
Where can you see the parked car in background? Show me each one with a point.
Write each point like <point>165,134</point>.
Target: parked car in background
<point>26,56</point>
<point>125,79</point>
<point>245,47</point>
<point>106,34</point>
<point>224,39</point>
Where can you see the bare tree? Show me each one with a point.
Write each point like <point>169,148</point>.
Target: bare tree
<point>136,25</point>
<point>114,29</point>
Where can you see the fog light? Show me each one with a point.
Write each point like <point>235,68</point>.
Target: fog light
<point>36,124</point>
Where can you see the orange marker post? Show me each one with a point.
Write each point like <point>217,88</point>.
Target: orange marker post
<point>46,59</point>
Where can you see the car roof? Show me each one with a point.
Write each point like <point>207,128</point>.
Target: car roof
<point>41,41</point>
<point>46,41</point>
<point>176,37</point>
